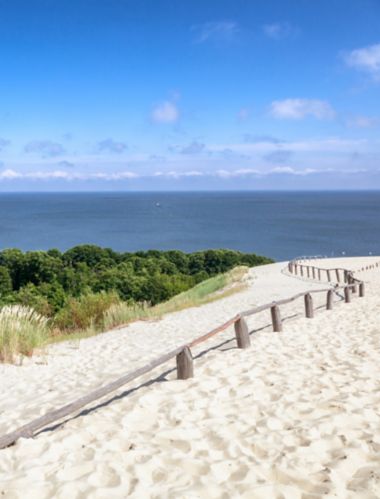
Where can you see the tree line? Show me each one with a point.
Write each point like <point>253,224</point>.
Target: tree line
<point>47,280</point>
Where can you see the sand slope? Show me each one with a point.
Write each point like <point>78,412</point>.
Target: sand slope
<point>295,416</point>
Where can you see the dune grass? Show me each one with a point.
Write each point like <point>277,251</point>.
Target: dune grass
<point>207,291</point>
<point>21,331</point>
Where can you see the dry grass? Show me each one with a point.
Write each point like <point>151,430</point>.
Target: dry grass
<point>21,331</point>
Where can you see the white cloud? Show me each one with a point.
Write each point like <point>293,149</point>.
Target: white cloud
<point>45,147</point>
<point>194,147</point>
<point>237,173</point>
<point>110,145</point>
<point>297,109</point>
<point>365,59</point>
<point>215,31</point>
<point>165,112</point>
<point>287,170</point>
<point>12,175</point>
<point>292,171</point>
<point>64,175</point>
<point>363,122</point>
<point>250,138</point>
<point>9,174</point>
<point>279,156</point>
<point>278,30</point>
<point>176,174</point>
<point>328,147</point>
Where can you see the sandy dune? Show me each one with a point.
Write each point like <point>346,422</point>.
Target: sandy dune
<point>295,416</point>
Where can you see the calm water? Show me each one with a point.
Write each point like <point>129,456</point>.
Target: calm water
<point>280,225</point>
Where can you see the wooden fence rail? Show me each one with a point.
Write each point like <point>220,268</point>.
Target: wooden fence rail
<point>183,355</point>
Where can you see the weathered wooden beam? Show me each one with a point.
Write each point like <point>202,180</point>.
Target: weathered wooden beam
<point>185,367</point>
<point>309,310</point>
<point>53,416</point>
<point>319,274</point>
<point>330,299</point>
<point>351,281</point>
<point>215,331</point>
<point>308,271</point>
<point>276,318</point>
<point>242,334</point>
<point>313,271</point>
<point>361,289</point>
<point>337,275</point>
<point>328,275</point>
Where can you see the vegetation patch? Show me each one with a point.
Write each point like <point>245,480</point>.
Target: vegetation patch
<point>210,290</point>
<point>89,289</point>
<point>22,330</point>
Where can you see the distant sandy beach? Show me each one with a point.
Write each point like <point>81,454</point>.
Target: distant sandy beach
<point>294,416</point>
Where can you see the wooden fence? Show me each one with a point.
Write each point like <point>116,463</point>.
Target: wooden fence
<point>298,268</point>
<point>183,354</point>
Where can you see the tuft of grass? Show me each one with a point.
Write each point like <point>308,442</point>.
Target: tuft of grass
<point>207,291</point>
<point>22,330</point>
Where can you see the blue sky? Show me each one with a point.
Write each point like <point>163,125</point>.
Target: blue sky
<point>189,94</point>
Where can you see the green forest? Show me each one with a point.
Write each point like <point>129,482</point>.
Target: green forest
<point>56,284</point>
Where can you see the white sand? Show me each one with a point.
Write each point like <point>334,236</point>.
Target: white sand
<point>295,416</point>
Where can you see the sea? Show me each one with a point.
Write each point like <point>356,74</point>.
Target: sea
<point>280,225</point>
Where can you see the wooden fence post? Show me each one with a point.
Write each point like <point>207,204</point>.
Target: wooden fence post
<point>309,311</point>
<point>328,275</point>
<point>345,276</point>
<point>242,335</point>
<point>308,271</point>
<point>330,298</point>
<point>361,289</point>
<point>301,269</point>
<point>337,275</point>
<point>185,368</point>
<point>319,274</point>
<point>351,280</point>
<point>347,295</point>
<point>313,270</point>
<point>295,269</point>
<point>276,319</point>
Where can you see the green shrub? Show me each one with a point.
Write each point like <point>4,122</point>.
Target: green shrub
<point>86,311</point>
